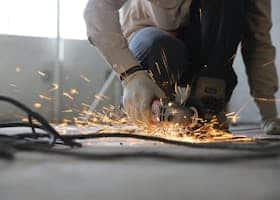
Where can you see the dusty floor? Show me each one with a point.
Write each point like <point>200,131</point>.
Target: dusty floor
<point>158,172</point>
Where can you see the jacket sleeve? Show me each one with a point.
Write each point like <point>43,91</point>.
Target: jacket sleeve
<point>259,56</point>
<point>104,32</point>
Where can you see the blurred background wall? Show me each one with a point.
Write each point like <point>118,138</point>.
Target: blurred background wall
<point>42,48</point>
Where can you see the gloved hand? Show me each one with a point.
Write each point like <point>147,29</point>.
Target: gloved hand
<point>271,126</point>
<point>139,92</point>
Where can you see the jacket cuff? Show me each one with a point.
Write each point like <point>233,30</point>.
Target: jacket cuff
<point>130,71</point>
<point>138,74</point>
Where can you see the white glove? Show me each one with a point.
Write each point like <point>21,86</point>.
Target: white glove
<point>139,92</point>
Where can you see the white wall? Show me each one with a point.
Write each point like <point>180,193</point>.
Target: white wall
<point>31,55</point>
<point>28,55</point>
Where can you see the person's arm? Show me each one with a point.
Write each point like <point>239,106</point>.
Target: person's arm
<point>104,28</point>
<point>259,56</point>
<point>104,32</point>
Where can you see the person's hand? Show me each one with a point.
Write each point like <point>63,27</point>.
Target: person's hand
<point>271,126</point>
<point>139,92</point>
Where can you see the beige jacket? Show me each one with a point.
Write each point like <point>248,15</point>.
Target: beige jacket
<point>110,36</point>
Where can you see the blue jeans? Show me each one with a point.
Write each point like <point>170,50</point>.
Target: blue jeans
<point>204,48</point>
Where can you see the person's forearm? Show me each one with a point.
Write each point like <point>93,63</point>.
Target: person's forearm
<point>104,31</point>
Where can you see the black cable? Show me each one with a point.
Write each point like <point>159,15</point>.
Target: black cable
<point>174,157</point>
<point>45,147</point>
<point>256,145</point>
<point>34,140</point>
<point>31,124</point>
<point>45,124</point>
<point>263,150</point>
<point>262,144</point>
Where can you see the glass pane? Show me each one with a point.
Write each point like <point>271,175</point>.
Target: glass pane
<point>28,17</point>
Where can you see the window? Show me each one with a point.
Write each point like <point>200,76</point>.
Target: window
<point>39,18</point>
<point>72,25</point>
<point>28,17</point>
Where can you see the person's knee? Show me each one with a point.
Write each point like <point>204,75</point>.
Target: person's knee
<point>152,44</point>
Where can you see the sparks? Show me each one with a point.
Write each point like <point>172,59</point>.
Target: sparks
<point>44,97</point>
<point>158,68</point>
<point>67,111</point>
<point>268,63</point>
<point>24,119</point>
<point>68,96</point>
<point>85,78</point>
<point>41,73</point>
<point>267,100</point>
<point>54,86</point>
<point>233,117</point>
<point>101,97</point>
<point>113,120</point>
<point>37,105</point>
<point>85,105</point>
<point>74,91</point>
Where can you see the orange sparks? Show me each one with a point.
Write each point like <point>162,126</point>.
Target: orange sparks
<point>41,73</point>
<point>44,97</point>
<point>67,111</point>
<point>86,105</point>
<point>54,87</point>
<point>37,105</point>
<point>268,63</point>
<point>24,119</point>
<point>233,117</point>
<point>114,121</point>
<point>66,121</point>
<point>101,97</point>
<point>74,91</point>
<point>244,106</point>
<point>158,68</point>
<point>86,79</point>
<point>267,100</point>
<point>68,96</point>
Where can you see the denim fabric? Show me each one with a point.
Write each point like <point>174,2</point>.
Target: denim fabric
<point>206,47</point>
<point>166,56</point>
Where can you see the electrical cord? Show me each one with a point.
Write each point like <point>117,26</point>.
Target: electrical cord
<point>53,134</point>
<point>153,154</point>
<point>184,156</point>
<point>35,141</point>
<point>256,145</point>
<point>263,144</point>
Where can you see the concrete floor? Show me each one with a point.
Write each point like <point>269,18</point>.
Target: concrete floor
<point>162,172</point>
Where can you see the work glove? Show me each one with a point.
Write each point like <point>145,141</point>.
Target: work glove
<point>271,126</point>
<point>139,92</point>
